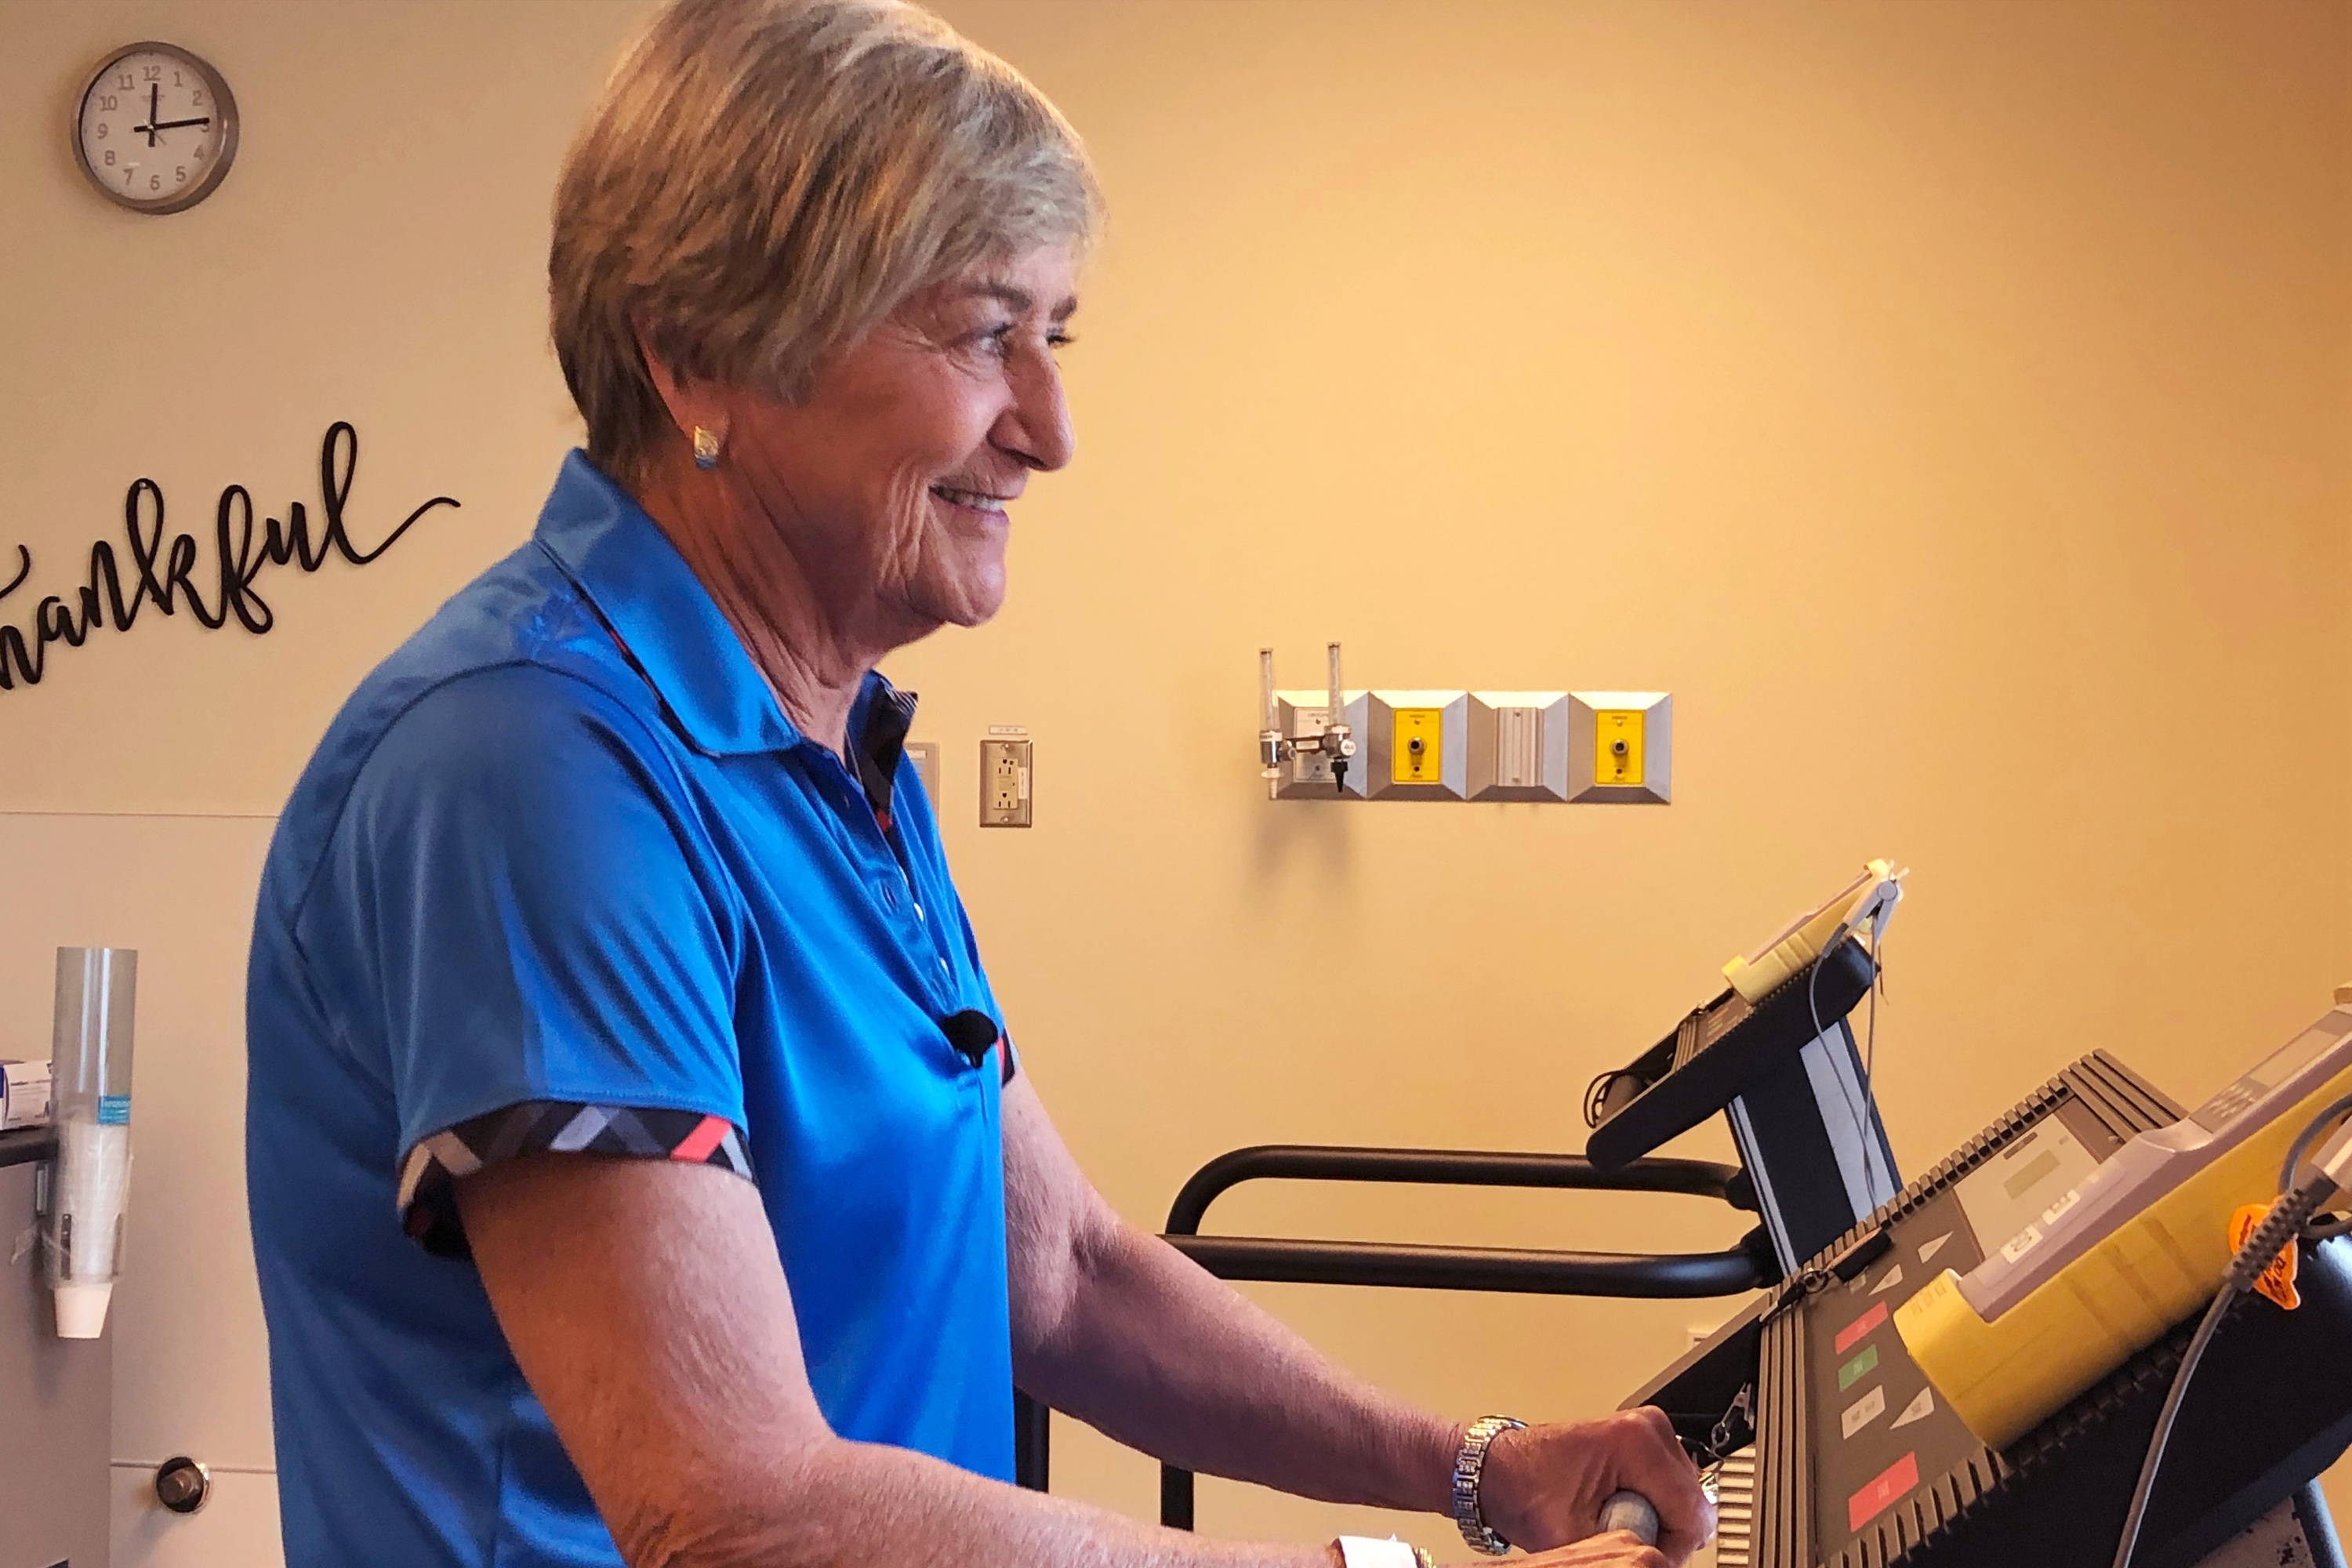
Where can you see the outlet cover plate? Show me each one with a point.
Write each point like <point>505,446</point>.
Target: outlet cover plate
<point>1007,775</point>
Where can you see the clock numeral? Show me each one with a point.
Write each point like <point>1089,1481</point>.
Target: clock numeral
<point>176,81</point>
<point>199,154</point>
<point>180,175</point>
<point>196,100</point>
<point>154,182</point>
<point>109,102</point>
<point>110,157</point>
<point>151,73</point>
<point>126,176</point>
<point>122,80</point>
<point>102,130</point>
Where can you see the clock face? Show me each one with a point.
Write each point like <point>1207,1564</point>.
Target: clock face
<point>157,129</point>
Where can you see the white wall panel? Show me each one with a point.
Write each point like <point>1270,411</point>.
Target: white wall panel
<point>237,1528</point>
<point>190,1362</point>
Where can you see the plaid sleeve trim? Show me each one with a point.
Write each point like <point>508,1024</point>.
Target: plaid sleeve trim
<point>427,1200</point>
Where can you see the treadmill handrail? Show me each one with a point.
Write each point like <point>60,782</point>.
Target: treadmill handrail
<point>1492,1270</point>
<point>1438,1167</point>
<point>1414,1267</point>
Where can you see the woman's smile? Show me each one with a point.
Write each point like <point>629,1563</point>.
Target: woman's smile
<point>979,503</point>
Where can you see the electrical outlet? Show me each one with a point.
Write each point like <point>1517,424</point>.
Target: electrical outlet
<point>1005,777</point>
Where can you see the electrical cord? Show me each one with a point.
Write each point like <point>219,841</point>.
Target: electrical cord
<point>1871,1154</point>
<point>2286,1226</point>
<point>1596,1094</point>
<point>2316,1230</point>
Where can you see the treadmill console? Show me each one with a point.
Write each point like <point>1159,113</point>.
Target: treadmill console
<point>1860,1462</point>
<point>1773,1054</point>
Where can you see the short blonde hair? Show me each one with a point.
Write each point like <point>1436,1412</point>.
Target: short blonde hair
<point>762,181</point>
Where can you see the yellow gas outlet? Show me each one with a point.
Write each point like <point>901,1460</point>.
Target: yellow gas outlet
<point>1417,746</point>
<point>1617,745</point>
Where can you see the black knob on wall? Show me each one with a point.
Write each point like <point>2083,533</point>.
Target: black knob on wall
<point>183,1485</point>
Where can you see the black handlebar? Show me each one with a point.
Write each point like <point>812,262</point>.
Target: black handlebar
<point>1495,1269</point>
<point>1411,1267</point>
<point>1439,1167</point>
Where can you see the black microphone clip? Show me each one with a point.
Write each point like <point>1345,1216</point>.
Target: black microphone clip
<point>972,1032</point>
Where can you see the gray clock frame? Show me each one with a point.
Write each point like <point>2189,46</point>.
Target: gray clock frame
<point>225,107</point>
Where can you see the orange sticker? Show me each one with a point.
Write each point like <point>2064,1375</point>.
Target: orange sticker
<point>2278,1280</point>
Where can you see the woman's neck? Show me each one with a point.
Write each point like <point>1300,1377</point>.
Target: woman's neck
<point>813,666</point>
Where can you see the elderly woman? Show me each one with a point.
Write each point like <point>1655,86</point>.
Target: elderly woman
<point>638,1173</point>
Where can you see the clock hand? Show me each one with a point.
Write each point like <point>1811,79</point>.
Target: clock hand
<point>176,124</point>
<point>154,110</point>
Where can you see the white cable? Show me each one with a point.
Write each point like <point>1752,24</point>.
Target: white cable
<point>2278,1231</point>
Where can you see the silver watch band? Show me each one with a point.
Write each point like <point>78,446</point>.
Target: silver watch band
<point>1469,1468</point>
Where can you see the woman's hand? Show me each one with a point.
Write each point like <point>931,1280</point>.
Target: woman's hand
<point>1543,1489</point>
<point>1614,1550</point>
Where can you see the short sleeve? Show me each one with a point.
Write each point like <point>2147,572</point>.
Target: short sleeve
<point>539,931</point>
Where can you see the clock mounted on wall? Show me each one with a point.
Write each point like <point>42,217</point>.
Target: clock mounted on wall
<point>156,127</point>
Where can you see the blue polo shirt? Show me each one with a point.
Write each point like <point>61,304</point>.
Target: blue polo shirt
<point>562,877</point>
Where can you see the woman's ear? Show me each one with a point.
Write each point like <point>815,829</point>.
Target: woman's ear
<point>693,405</point>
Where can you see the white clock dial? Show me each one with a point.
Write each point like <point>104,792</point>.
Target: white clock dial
<point>157,129</point>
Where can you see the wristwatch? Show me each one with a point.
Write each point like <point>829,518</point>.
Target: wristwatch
<point>1469,1468</point>
<point>1362,1552</point>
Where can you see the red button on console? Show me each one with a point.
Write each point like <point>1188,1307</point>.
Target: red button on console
<point>1852,1334</point>
<point>1882,1493</point>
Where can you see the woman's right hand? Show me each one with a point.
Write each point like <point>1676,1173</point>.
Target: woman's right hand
<point>1618,1548</point>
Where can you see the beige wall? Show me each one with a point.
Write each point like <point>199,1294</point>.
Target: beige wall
<point>1946,402</point>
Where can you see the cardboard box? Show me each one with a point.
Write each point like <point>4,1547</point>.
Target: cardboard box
<point>23,1095</point>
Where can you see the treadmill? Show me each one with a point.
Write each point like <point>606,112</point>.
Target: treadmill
<point>1827,1445</point>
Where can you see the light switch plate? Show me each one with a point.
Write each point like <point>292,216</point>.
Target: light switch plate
<point>925,756</point>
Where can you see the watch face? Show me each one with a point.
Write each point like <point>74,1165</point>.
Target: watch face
<point>157,129</point>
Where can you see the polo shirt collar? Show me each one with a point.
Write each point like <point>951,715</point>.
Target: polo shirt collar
<point>673,633</point>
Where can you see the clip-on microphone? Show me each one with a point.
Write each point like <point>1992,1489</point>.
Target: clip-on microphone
<point>971,1032</point>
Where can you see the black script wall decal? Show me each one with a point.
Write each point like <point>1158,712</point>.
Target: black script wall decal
<point>162,573</point>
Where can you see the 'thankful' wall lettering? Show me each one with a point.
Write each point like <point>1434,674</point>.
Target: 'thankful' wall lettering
<point>162,573</point>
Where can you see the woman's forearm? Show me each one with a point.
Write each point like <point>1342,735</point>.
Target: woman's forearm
<point>1155,1352</point>
<point>858,1505</point>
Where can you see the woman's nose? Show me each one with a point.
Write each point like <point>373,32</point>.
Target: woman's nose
<point>1036,427</point>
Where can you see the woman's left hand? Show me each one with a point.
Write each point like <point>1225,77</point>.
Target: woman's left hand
<point>1543,1487</point>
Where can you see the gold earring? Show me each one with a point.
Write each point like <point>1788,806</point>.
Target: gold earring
<point>706,447</point>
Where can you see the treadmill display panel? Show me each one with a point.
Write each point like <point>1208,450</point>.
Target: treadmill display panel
<point>2011,1192</point>
<point>1877,1431</point>
<point>2242,1094</point>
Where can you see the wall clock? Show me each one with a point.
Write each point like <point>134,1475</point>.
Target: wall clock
<point>156,127</point>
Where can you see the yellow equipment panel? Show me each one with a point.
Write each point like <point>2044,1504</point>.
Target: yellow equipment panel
<point>2004,1377</point>
<point>1417,746</point>
<point>1617,746</point>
